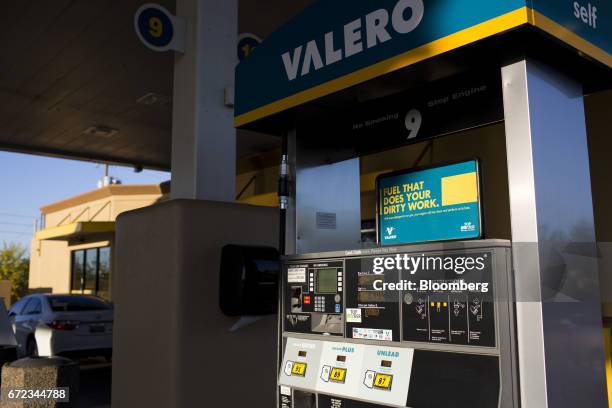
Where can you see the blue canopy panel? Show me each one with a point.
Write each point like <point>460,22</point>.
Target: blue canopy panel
<point>336,44</point>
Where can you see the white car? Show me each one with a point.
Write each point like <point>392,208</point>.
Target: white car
<point>63,325</point>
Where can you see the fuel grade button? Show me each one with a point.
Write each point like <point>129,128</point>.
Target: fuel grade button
<point>299,369</point>
<point>383,381</point>
<point>338,375</point>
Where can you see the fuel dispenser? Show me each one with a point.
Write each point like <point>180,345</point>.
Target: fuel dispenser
<point>420,325</point>
<point>443,311</point>
<point>348,345</point>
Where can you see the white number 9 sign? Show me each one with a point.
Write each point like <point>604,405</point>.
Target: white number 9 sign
<point>413,123</point>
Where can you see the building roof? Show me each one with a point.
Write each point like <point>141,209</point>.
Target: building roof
<point>105,192</point>
<point>75,230</point>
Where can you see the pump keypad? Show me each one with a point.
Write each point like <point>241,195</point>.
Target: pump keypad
<point>319,304</point>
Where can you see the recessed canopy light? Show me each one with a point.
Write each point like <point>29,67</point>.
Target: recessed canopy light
<point>100,131</point>
<point>152,99</point>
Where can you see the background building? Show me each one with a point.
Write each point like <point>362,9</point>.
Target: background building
<point>72,252</point>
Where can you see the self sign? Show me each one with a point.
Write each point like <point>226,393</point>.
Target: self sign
<point>158,29</point>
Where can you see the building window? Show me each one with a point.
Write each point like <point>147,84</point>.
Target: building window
<point>91,272</point>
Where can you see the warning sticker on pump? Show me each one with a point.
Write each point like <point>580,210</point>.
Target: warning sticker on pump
<point>353,315</point>
<point>372,334</point>
<point>285,400</point>
<point>296,275</point>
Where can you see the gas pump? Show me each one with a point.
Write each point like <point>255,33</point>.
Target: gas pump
<point>348,345</point>
<point>419,325</point>
<point>467,298</point>
<point>424,318</point>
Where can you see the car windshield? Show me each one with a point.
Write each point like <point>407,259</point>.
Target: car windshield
<point>77,303</point>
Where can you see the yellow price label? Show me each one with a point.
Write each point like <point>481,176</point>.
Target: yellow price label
<point>383,381</point>
<point>337,374</point>
<point>299,369</point>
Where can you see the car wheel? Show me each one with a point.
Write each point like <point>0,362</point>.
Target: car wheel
<point>32,348</point>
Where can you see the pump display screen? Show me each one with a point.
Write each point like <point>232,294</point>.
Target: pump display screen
<point>327,280</point>
<point>430,204</point>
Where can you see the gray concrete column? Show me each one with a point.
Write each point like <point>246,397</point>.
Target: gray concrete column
<point>559,326</point>
<point>203,134</point>
<point>172,345</point>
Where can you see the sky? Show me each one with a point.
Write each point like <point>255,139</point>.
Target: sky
<point>28,182</point>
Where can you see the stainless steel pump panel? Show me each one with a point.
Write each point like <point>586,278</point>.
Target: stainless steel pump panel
<point>409,326</point>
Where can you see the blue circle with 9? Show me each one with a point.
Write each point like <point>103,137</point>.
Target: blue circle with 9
<point>155,27</point>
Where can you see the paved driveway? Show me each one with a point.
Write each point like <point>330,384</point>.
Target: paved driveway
<point>95,389</point>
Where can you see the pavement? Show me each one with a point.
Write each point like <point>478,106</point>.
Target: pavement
<point>95,390</point>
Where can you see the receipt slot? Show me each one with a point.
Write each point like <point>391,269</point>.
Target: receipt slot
<point>428,338</point>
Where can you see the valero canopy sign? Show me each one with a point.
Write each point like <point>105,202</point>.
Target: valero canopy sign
<point>335,44</point>
<point>433,204</point>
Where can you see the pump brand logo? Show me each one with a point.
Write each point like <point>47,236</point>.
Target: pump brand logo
<point>468,226</point>
<point>369,31</point>
<point>390,234</point>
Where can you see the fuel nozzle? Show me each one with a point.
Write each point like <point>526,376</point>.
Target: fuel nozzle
<point>283,183</point>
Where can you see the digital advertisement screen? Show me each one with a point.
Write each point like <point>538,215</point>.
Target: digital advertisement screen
<point>432,204</point>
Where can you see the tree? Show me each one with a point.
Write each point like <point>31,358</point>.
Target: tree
<point>15,266</point>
